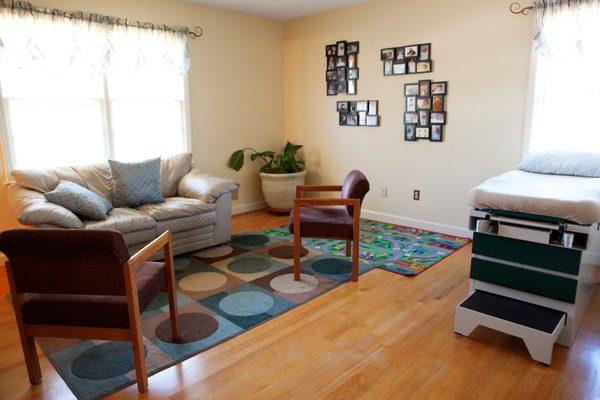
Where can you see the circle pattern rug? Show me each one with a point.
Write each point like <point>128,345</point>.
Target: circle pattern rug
<point>243,304</point>
<point>103,361</point>
<point>203,281</point>
<point>249,265</point>
<point>286,283</point>
<point>332,266</point>
<point>215,252</point>
<point>251,240</point>
<point>192,327</point>
<point>286,252</point>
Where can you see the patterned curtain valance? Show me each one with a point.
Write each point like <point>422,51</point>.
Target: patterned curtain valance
<point>56,40</point>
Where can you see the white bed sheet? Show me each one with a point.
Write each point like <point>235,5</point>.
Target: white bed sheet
<point>569,197</point>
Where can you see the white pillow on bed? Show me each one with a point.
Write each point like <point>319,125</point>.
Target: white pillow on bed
<point>562,163</point>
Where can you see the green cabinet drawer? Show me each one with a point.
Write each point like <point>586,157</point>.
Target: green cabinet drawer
<point>535,254</point>
<point>525,280</point>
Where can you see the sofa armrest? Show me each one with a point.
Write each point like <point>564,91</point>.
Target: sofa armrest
<point>201,186</point>
<point>32,208</point>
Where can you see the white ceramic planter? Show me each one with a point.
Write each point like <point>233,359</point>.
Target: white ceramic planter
<point>280,189</point>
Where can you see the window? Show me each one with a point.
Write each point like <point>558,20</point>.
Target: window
<point>565,80</point>
<point>54,121</point>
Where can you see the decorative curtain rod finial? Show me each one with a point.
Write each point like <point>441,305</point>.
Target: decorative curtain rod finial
<point>197,32</point>
<point>515,8</point>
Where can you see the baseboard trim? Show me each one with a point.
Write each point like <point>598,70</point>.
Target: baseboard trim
<point>417,223</point>
<point>247,207</point>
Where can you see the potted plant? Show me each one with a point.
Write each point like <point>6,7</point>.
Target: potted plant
<point>279,175</point>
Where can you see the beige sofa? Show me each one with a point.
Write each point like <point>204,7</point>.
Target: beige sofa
<point>197,207</point>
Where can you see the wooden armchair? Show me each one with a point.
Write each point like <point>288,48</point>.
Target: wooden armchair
<point>83,284</point>
<point>316,218</point>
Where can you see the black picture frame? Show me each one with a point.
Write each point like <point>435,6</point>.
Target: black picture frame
<point>353,73</point>
<point>427,84</point>
<point>352,47</point>
<point>352,60</point>
<point>399,54</point>
<point>362,118</point>
<point>437,122</point>
<point>351,88</point>
<point>423,118</point>
<point>442,99</point>
<point>414,118</point>
<point>407,106</point>
<point>362,106</point>
<point>352,120</point>
<point>341,73</point>
<point>373,107</point>
<point>398,70</point>
<point>331,88</point>
<point>342,106</point>
<point>331,75</point>
<point>343,119</point>
<point>352,107</point>
<point>389,63</point>
<point>425,46</point>
<point>408,48</point>
<point>341,48</point>
<point>385,52</point>
<point>341,61</point>
<point>408,86</point>
<point>429,68</point>
<point>331,62</point>
<point>423,128</point>
<point>422,99</point>
<point>330,50</point>
<point>436,138</point>
<point>410,132</point>
<point>341,86</point>
<point>373,120</point>
<point>444,83</point>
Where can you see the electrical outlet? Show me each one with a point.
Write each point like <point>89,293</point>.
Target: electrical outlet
<point>417,195</point>
<point>383,191</point>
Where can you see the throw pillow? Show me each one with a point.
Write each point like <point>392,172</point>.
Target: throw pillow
<point>79,200</point>
<point>561,162</point>
<point>136,183</point>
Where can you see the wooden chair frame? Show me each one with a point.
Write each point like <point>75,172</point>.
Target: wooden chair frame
<point>352,246</point>
<point>28,332</point>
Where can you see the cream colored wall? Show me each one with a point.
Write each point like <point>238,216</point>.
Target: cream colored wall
<point>235,82</point>
<point>477,46</point>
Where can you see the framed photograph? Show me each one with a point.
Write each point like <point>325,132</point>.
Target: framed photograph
<point>425,88</point>
<point>352,107</point>
<point>400,53</point>
<point>342,106</point>
<point>341,73</point>
<point>411,51</point>
<point>424,103</point>
<point>437,102</point>
<point>411,118</point>
<point>411,67</point>
<point>438,118</point>
<point>399,68</point>
<point>343,119</point>
<point>373,107</point>
<point>351,47</point>
<point>387,54</point>
<point>330,62</point>
<point>331,88</point>
<point>436,133</point>
<point>341,87</point>
<point>372,120</point>
<point>423,118</point>
<point>362,118</point>
<point>424,52</point>
<point>331,75</point>
<point>439,87</point>
<point>341,48</point>
<point>351,86</point>
<point>411,89</point>
<point>411,103</point>
<point>362,106</point>
<point>352,60</point>
<point>352,73</point>
<point>410,132</point>
<point>422,132</point>
<point>352,120</point>
<point>388,67</point>
<point>423,67</point>
<point>341,61</point>
<point>331,50</point>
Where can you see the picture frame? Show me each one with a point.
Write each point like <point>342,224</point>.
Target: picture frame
<point>423,67</point>
<point>422,132</point>
<point>388,67</point>
<point>425,52</point>
<point>343,121</point>
<point>352,47</point>
<point>362,105</point>
<point>424,88</point>
<point>352,119</point>
<point>423,118</point>
<point>331,62</point>
<point>399,68</point>
<point>399,53</point>
<point>331,88</point>
<point>341,73</point>
<point>331,75</point>
<point>352,73</point>
<point>423,103</point>
<point>411,89</point>
<point>437,103</point>
<point>330,50</point>
<point>373,107</point>
<point>352,107</point>
<point>341,48</point>
<point>439,87</point>
<point>411,51</point>
<point>341,61</point>
<point>388,54</point>
<point>372,120</point>
<point>411,103</point>
<point>437,133</point>
<point>410,132</point>
<point>411,118</point>
<point>438,118</point>
<point>351,60</point>
<point>351,87</point>
<point>411,67</point>
<point>362,118</point>
<point>342,106</point>
<point>341,86</point>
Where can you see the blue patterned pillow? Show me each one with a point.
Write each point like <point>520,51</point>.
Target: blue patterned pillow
<point>80,200</point>
<point>135,184</point>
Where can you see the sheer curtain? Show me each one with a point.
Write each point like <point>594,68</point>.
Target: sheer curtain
<point>566,79</point>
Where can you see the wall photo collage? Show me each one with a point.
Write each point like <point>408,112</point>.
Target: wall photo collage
<point>342,68</point>
<point>358,113</point>
<point>413,59</point>
<point>425,114</point>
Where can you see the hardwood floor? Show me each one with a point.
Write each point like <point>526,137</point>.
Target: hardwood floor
<point>386,336</point>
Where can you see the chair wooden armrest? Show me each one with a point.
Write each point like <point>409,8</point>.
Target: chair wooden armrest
<point>163,241</point>
<point>317,188</point>
<point>326,202</point>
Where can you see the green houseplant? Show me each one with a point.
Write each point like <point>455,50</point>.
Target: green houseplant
<point>280,173</point>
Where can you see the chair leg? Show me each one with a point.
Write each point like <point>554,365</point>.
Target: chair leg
<point>141,373</point>
<point>348,248</point>
<point>172,292</point>
<point>31,359</point>
<point>297,252</point>
<point>355,249</point>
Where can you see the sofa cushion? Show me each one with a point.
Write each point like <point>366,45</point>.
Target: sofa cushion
<point>185,224</point>
<point>176,207</point>
<point>136,183</point>
<point>79,200</point>
<point>172,169</point>
<point>123,220</point>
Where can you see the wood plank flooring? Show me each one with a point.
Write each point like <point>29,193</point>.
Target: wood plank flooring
<point>386,337</point>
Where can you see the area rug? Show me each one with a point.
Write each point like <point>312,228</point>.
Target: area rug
<point>226,290</point>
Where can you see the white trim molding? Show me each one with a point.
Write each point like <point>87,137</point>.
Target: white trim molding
<point>247,207</point>
<point>417,223</point>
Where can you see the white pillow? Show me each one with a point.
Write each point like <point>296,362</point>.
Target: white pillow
<point>560,162</point>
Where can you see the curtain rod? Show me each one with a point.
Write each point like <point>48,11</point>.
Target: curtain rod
<point>516,8</point>
<point>104,19</point>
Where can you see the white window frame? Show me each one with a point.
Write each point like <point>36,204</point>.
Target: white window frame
<point>6,146</point>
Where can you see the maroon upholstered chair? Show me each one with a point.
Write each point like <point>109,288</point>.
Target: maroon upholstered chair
<point>316,217</point>
<point>83,284</point>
